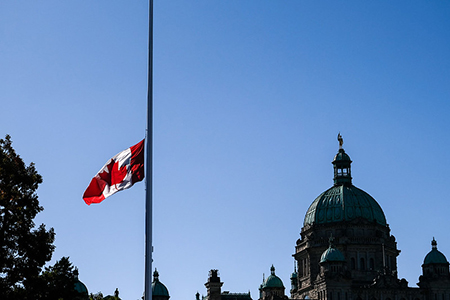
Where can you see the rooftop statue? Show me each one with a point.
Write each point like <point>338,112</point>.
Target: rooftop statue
<point>341,140</point>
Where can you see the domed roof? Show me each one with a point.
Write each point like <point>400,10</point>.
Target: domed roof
<point>341,156</point>
<point>332,255</point>
<point>435,256</point>
<point>273,281</point>
<point>158,289</point>
<point>344,203</point>
<point>81,288</point>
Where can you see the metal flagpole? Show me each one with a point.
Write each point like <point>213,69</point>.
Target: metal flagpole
<point>149,162</point>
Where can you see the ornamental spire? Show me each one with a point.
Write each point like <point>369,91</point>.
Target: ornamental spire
<point>155,276</point>
<point>331,241</point>
<point>433,244</point>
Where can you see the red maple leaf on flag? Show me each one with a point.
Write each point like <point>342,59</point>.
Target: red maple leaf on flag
<point>119,173</point>
<point>112,174</point>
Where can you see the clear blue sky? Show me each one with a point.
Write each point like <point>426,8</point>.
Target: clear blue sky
<point>249,97</point>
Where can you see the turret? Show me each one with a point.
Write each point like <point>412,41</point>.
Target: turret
<point>159,290</point>
<point>213,285</point>
<point>435,263</point>
<point>294,280</point>
<point>342,168</point>
<point>272,287</point>
<point>332,260</point>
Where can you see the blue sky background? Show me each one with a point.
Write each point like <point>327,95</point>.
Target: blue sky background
<point>249,96</point>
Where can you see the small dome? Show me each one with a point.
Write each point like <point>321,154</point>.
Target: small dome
<point>435,256</point>
<point>81,288</point>
<point>341,156</point>
<point>332,255</point>
<point>273,281</point>
<point>158,289</point>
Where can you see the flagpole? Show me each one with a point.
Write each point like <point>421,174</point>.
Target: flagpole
<point>149,163</point>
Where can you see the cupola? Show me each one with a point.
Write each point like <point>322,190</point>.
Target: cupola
<point>80,288</point>
<point>341,163</point>
<point>273,281</point>
<point>294,282</point>
<point>159,290</point>
<point>271,287</point>
<point>343,201</point>
<point>435,266</point>
<point>332,261</point>
<point>332,254</point>
<point>435,256</point>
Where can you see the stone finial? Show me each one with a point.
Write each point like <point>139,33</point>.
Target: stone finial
<point>155,275</point>
<point>433,243</point>
<point>331,240</point>
<point>272,270</point>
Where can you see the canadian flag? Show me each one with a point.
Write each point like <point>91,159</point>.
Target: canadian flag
<point>119,173</point>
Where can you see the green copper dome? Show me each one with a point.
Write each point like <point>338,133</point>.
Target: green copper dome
<point>273,281</point>
<point>81,288</point>
<point>343,201</point>
<point>435,256</point>
<point>158,289</point>
<point>332,255</point>
<point>341,156</point>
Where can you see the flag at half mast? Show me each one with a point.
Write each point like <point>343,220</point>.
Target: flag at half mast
<point>119,173</point>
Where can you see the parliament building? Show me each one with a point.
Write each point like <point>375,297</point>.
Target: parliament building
<point>346,252</point>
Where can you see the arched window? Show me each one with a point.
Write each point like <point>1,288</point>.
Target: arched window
<point>371,264</point>
<point>362,264</point>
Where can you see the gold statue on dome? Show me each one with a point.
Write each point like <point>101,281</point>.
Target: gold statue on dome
<point>341,140</point>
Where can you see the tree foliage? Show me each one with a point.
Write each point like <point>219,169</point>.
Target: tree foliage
<point>99,296</point>
<point>24,249</point>
<point>60,280</point>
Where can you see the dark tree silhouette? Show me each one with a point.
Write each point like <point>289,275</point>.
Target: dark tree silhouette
<point>60,281</point>
<point>24,249</point>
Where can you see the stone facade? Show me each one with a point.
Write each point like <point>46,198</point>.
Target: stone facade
<point>214,290</point>
<point>346,252</point>
<point>367,269</point>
